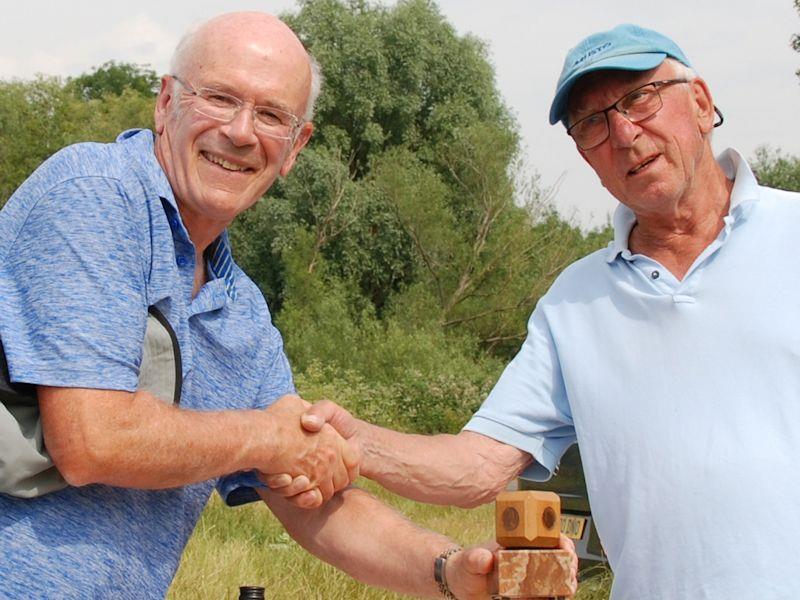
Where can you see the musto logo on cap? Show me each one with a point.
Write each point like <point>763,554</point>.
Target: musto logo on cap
<point>592,52</point>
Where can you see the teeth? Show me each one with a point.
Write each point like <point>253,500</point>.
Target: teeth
<point>222,162</point>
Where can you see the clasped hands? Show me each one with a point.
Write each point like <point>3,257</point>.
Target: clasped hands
<point>313,459</point>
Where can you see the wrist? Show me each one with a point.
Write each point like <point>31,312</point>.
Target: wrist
<point>257,433</point>
<point>373,457</point>
<point>440,571</point>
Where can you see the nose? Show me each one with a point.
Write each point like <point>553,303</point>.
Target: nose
<point>241,129</point>
<point>621,131</point>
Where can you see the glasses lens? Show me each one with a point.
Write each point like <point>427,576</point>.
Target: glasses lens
<point>591,131</point>
<point>274,121</point>
<point>641,103</point>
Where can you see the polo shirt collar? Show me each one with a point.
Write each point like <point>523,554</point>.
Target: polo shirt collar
<point>743,194</point>
<point>220,263</point>
<point>218,254</point>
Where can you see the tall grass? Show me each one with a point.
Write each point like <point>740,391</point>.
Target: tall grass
<point>248,546</point>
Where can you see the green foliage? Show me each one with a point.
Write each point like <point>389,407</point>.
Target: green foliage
<point>396,76</point>
<point>773,169</point>
<point>402,256</point>
<point>112,78</point>
<point>404,374</point>
<point>40,116</point>
<point>31,128</point>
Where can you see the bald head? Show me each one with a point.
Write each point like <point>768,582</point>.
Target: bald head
<point>254,34</point>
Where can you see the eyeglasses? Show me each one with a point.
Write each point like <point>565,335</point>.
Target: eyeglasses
<point>224,107</point>
<point>636,106</point>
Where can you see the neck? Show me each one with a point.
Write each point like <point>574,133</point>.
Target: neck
<point>676,239</point>
<point>202,236</point>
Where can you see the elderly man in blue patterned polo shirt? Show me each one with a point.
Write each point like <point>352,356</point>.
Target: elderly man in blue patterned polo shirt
<point>123,314</point>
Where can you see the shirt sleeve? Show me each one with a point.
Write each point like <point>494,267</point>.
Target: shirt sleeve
<point>528,407</point>
<point>72,289</point>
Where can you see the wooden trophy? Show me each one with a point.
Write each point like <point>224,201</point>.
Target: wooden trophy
<point>529,564</point>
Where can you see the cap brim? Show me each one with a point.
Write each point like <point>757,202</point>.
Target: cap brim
<point>626,62</point>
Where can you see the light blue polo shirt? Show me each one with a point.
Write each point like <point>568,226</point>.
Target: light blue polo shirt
<point>684,397</point>
<point>87,243</point>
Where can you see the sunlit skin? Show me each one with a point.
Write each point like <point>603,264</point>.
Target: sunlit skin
<point>663,167</point>
<point>258,59</point>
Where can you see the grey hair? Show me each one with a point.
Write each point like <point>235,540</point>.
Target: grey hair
<point>178,61</point>
<point>317,79</point>
<point>682,70</point>
<point>686,72</point>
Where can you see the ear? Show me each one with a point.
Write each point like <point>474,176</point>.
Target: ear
<point>705,105</point>
<point>162,103</point>
<point>299,143</point>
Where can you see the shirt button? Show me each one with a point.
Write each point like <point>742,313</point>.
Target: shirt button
<point>181,261</point>
<point>655,275</point>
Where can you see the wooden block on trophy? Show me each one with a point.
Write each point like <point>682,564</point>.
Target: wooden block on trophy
<point>528,519</point>
<point>530,573</point>
<point>528,526</point>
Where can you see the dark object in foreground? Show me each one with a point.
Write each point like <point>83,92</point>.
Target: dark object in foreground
<point>251,592</point>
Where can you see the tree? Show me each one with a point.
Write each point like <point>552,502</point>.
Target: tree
<point>404,217</point>
<point>40,116</point>
<point>774,169</point>
<point>113,78</point>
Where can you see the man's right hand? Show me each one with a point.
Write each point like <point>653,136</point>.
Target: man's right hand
<point>310,464</point>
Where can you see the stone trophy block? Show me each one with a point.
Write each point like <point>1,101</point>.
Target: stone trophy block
<point>527,525</point>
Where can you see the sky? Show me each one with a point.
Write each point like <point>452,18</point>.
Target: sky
<point>740,47</point>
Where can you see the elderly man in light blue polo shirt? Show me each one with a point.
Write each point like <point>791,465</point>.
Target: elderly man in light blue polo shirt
<point>671,356</point>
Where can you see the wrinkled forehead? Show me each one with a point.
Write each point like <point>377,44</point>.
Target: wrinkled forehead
<point>260,60</point>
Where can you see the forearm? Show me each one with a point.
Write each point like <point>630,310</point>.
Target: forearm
<point>136,440</point>
<point>368,540</point>
<point>466,470</point>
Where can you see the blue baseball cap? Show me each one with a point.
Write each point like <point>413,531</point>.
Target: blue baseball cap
<point>626,47</point>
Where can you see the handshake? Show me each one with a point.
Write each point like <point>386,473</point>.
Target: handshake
<point>317,451</point>
<point>320,450</point>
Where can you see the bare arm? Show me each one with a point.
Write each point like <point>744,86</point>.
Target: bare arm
<point>135,440</point>
<point>371,542</point>
<point>465,470</point>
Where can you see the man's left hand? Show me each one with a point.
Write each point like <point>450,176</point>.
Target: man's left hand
<point>469,572</point>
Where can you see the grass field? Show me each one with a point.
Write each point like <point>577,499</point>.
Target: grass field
<point>248,546</point>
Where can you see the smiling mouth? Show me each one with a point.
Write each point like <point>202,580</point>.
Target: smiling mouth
<point>642,165</point>
<point>219,161</point>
